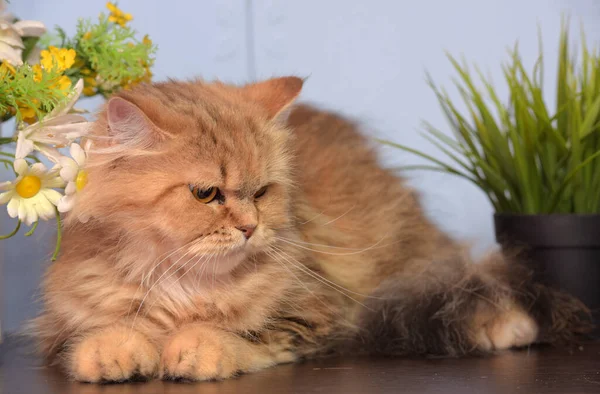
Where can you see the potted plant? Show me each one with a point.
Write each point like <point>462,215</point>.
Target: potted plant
<point>539,164</point>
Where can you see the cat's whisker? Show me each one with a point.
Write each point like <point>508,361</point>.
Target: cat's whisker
<point>321,277</point>
<point>205,266</point>
<point>322,280</point>
<point>201,270</point>
<point>145,277</point>
<point>200,258</point>
<point>169,255</point>
<point>199,273</point>
<point>153,286</point>
<point>317,245</point>
<point>341,216</point>
<point>313,218</point>
<point>331,253</point>
<point>350,324</point>
<point>298,279</point>
<point>182,266</point>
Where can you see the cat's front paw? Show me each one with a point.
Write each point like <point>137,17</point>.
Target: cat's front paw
<point>113,355</point>
<point>198,353</point>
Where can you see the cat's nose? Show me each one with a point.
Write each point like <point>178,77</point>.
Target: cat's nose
<point>247,230</point>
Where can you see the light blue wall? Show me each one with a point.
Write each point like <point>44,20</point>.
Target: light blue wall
<point>363,58</point>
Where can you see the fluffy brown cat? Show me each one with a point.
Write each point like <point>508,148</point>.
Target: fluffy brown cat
<point>227,231</point>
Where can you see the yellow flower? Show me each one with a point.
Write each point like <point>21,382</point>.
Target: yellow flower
<point>117,16</point>
<point>148,75</point>
<point>28,111</point>
<point>28,115</point>
<point>79,62</point>
<point>89,91</point>
<point>37,73</point>
<point>57,58</point>
<point>147,41</point>
<point>63,83</point>
<point>6,69</point>
<point>90,81</point>
<point>88,72</point>
<point>90,84</point>
<point>87,35</point>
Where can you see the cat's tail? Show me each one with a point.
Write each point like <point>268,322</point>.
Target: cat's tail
<point>438,312</point>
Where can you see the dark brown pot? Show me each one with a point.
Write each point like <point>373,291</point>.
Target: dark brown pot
<point>563,251</point>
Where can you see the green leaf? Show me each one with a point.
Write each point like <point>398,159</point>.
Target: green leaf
<point>526,156</point>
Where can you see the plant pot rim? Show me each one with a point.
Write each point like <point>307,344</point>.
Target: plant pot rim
<point>548,231</point>
<point>546,215</point>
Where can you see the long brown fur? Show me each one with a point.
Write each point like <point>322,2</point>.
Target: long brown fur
<point>342,259</point>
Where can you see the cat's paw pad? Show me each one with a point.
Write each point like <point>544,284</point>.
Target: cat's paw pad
<point>511,329</point>
<point>196,354</point>
<point>114,355</point>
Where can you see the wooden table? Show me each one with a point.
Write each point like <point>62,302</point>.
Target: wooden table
<point>537,370</point>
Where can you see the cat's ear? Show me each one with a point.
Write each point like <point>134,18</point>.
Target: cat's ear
<point>275,95</point>
<point>129,125</point>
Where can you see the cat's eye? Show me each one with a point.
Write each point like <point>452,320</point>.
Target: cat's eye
<point>204,195</point>
<point>261,192</point>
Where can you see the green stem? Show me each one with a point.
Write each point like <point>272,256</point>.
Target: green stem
<point>30,232</point>
<point>58,235</point>
<point>6,140</point>
<point>16,230</point>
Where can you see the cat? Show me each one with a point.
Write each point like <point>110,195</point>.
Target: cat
<point>225,229</point>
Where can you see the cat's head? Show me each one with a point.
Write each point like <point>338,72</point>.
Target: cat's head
<point>201,169</point>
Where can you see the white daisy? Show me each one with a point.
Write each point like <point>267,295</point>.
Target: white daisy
<point>74,174</point>
<point>31,196</point>
<point>11,33</point>
<point>58,129</point>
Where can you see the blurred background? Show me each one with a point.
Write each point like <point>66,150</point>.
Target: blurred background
<point>364,59</point>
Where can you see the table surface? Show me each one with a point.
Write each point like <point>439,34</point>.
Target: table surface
<point>534,370</point>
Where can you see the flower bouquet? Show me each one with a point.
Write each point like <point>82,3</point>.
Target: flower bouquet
<point>42,77</point>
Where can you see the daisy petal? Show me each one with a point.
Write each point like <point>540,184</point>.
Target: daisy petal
<point>52,195</point>
<point>5,185</point>
<point>71,188</point>
<point>87,145</point>
<point>13,207</point>
<point>30,211</point>
<point>21,166</point>
<point>51,182</point>
<point>66,106</point>
<point>10,54</point>
<point>51,153</point>
<point>12,38</point>
<point>44,208</point>
<point>38,169</point>
<point>69,169</point>
<point>22,210</point>
<point>30,28</point>
<point>56,124</point>
<point>24,146</point>
<point>6,196</point>
<point>42,137</point>
<point>66,203</point>
<point>78,154</point>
